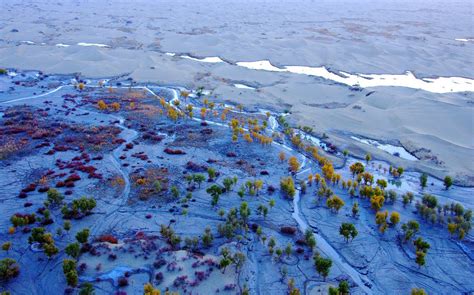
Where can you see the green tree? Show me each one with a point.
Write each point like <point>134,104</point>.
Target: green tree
<point>344,287</point>
<point>50,249</point>
<point>335,203</point>
<point>288,250</point>
<point>215,191</point>
<point>271,203</point>
<point>310,239</point>
<point>238,260</point>
<point>73,250</point>
<point>199,178</point>
<point>348,230</point>
<point>70,272</point>
<point>287,185</point>
<point>175,192</point>
<point>423,180</point>
<point>6,246</point>
<point>67,225</point>
<point>368,157</point>
<point>244,211</point>
<point>228,183</point>
<point>82,236</point>
<point>87,289</point>
<point>448,182</point>
<point>323,265</point>
<point>211,172</point>
<point>357,168</point>
<point>420,258</point>
<point>410,229</point>
<point>418,291</point>
<point>225,260</point>
<point>8,269</point>
<point>55,198</point>
<point>355,209</point>
<point>207,237</point>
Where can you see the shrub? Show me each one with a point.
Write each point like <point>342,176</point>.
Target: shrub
<point>70,272</point>
<point>335,203</point>
<point>287,185</point>
<point>430,201</point>
<point>448,182</point>
<point>108,238</point>
<point>82,236</point>
<point>348,230</point>
<point>73,250</point>
<point>55,198</point>
<point>323,265</point>
<point>289,230</point>
<point>8,269</point>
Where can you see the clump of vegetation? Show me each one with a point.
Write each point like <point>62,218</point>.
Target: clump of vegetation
<point>335,203</point>
<point>170,236</point>
<point>78,208</point>
<point>8,269</point>
<point>215,191</point>
<point>45,240</point>
<point>70,272</point>
<point>421,250</point>
<point>448,182</point>
<point>323,265</point>
<point>348,231</point>
<point>82,236</point>
<point>287,186</point>
<point>237,259</point>
<point>342,289</point>
<point>409,229</point>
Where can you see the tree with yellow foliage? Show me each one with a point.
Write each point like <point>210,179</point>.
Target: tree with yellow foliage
<point>452,228</point>
<point>148,289</point>
<point>248,138</point>
<point>184,94</point>
<point>101,105</point>
<point>287,185</point>
<point>296,140</point>
<point>357,168</point>
<point>81,86</point>
<point>203,113</point>
<point>418,291</point>
<point>224,114</point>
<point>310,179</point>
<point>234,123</point>
<point>293,164</point>
<point>317,178</point>
<point>381,220</point>
<point>376,202</point>
<point>173,113</point>
<point>282,156</point>
<point>394,218</point>
<point>335,203</point>
<point>328,170</point>
<point>162,102</point>
<point>115,106</point>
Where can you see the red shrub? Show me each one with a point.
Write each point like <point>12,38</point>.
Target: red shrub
<point>289,230</point>
<point>108,238</point>
<point>174,152</point>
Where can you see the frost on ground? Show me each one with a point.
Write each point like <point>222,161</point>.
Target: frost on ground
<point>113,187</point>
